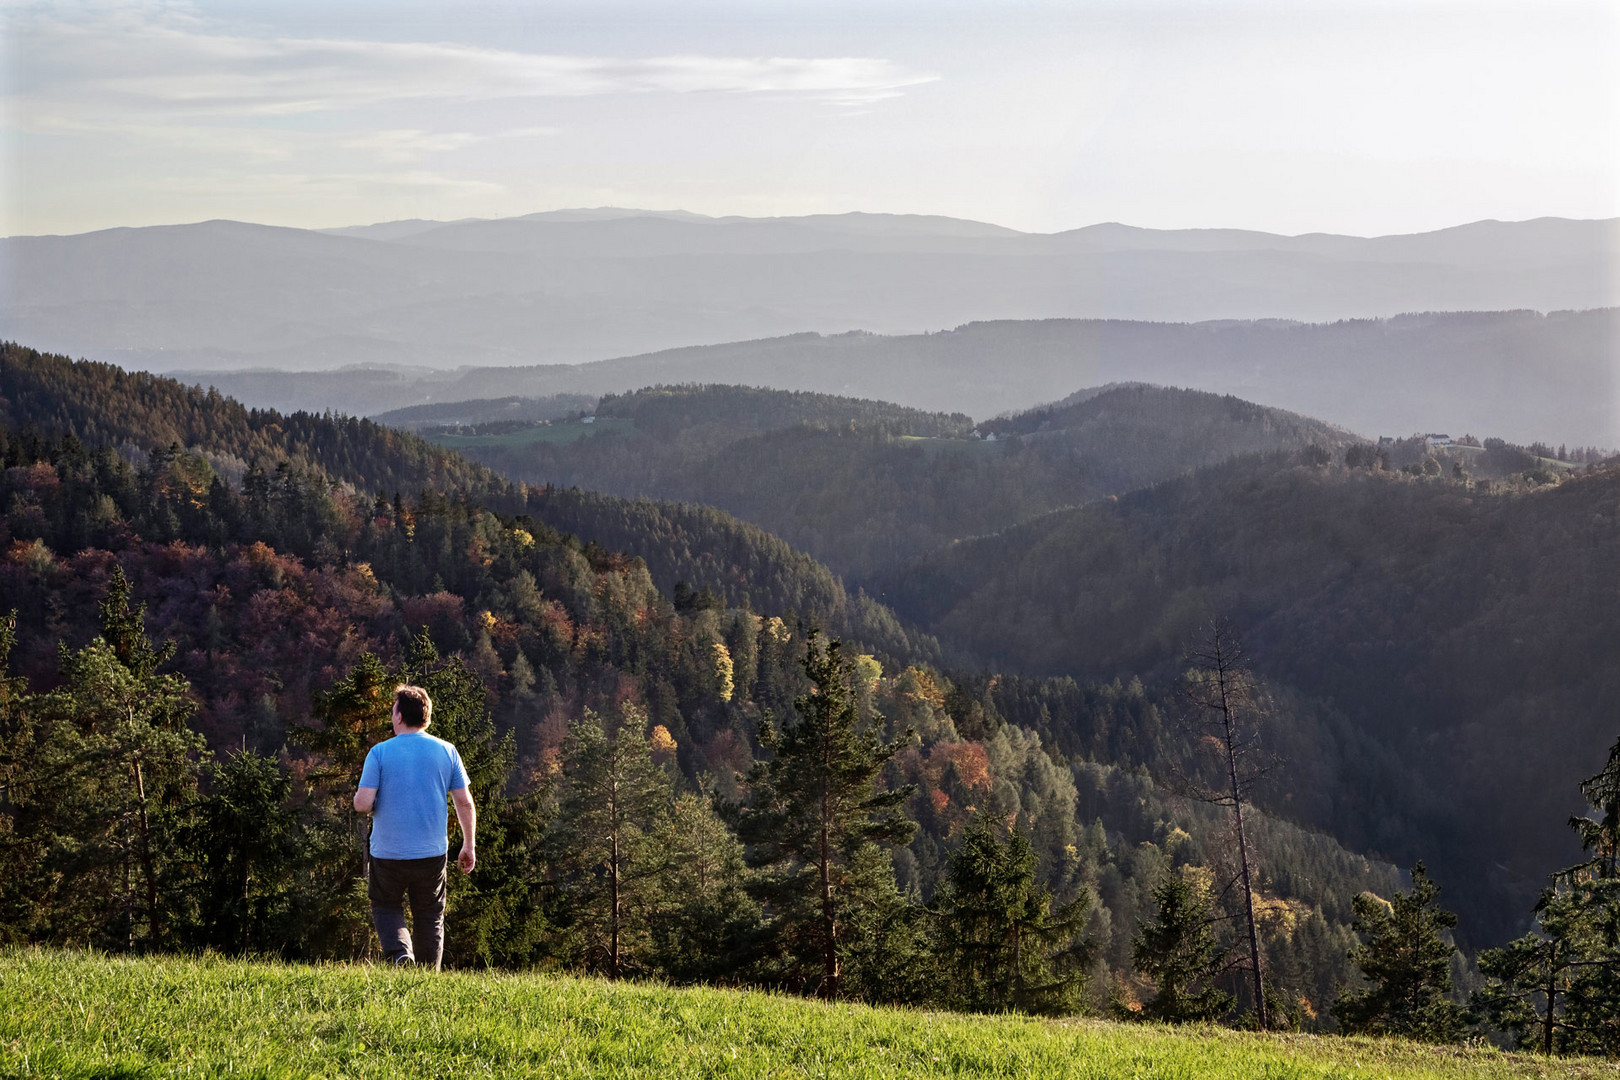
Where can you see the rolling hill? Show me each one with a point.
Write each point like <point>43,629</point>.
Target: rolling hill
<point>1515,374</point>
<point>102,406</point>
<point>866,486</point>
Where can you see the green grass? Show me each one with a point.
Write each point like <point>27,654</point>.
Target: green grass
<point>83,1015</point>
<point>560,431</point>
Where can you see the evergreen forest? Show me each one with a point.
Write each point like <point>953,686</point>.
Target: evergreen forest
<point>1260,722</point>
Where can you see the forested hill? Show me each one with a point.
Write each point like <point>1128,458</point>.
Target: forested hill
<point>282,606</point>
<point>1521,375</point>
<point>866,486</point>
<point>1453,648</point>
<point>736,412</point>
<point>101,405</point>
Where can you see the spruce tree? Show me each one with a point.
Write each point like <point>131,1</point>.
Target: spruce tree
<point>251,845</point>
<point>1001,944</point>
<point>1178,951</point>
<point>813,807</point>
<point>1407,961</point>
<point>700,916</point>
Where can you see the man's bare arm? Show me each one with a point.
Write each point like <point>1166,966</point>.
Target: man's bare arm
<point>467,818</point>
<point>364,799</point>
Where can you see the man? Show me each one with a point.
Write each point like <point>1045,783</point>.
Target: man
<point>403,786</point>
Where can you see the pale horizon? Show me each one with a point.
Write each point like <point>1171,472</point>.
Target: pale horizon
<point>630,211</point>
<point>1362,119</point>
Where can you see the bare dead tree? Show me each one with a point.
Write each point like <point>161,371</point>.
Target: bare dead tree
<point>1220,688</point>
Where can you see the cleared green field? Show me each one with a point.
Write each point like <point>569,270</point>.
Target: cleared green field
<point>560,431</point>
<point>79,1015</point>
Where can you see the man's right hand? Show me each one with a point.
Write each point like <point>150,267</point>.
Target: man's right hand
<point>467,859</point>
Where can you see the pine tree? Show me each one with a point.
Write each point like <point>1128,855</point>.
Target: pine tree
<point>1001,945</point>
<point>1179,953</point>
<point>613,797</point>
<point>812,808</point>
<point>101,791</point>
<point>1408,963</point>
<point>1531,978</point>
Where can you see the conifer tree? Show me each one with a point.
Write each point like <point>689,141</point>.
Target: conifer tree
<point>251,846</point>
<point>1001,944</point>
<point>613,798</point>
<point>812,809</point>
<point>102,788</point>
<point>1221,688</point>
<point>1408,964</point>
<point>16,746</point>
<point>1531,978</point>
<point>1178,951</point>
<point>700,915</point>
<point>1558,987</point>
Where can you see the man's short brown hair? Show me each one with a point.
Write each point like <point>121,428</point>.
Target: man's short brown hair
<point>414,705</point>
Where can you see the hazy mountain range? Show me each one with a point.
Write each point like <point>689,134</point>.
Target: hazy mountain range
<point>1518,375</point>
<point>577,286</point>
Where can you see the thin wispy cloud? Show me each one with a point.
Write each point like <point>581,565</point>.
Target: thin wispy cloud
<point>1316,115</point>
<point>85,71</point>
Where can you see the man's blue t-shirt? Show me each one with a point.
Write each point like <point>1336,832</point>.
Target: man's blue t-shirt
<point>413,773</point>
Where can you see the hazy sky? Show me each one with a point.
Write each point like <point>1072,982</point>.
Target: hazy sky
<point>1295,116</point>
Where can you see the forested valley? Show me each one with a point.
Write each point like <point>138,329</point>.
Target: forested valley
<point>212,604</point>
<point>866,486</point>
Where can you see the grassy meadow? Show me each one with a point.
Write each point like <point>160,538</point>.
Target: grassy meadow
<point>86,1015</point>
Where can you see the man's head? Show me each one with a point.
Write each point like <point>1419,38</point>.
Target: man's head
<point>412,707</point>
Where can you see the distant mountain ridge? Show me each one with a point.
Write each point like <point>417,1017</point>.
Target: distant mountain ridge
<point>577,287</point>
<point>1516,374</point>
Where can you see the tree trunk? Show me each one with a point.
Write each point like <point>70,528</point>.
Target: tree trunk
<point>147,865</point>
<point>829,955</point>
<point>1552,1000</point>
<point>1229,723</point>
<point>247,878</point>
<point>613,870</point>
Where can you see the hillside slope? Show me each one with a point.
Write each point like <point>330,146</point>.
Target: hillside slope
<point>103,406</point>
<point>866,487</point>
<point>1464,639</point>
<point>79,1016</point>
<point>274,585</point>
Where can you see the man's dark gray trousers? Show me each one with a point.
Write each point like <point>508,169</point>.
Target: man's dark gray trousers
<point>423,881</point>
